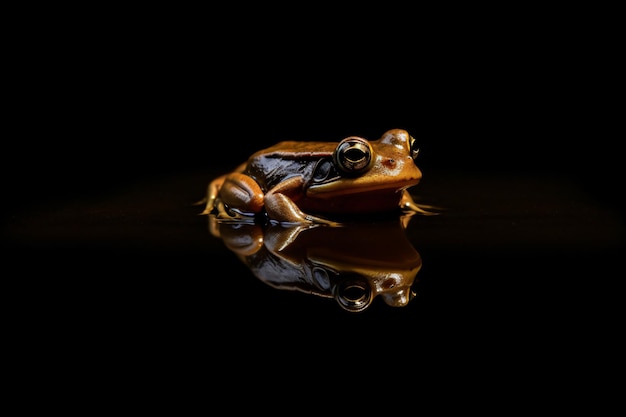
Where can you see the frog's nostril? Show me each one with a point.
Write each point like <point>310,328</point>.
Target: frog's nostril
<point>389,163</point>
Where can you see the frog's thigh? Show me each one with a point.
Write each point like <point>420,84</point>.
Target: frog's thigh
<point>279,201</point>
<point>241,192</point>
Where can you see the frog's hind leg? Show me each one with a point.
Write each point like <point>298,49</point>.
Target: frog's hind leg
<point>213,189</point>
<point>225,213</point>
<point>280,205</point>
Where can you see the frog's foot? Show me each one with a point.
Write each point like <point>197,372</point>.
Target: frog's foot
<point>210,200</point>
<point>208,208</point>
<point>423,209</point>
<point>315,220</point>
<point>225,213</point>
<point>407,204</point>
<point>306,221</point>
<point>200,202</point>
<point>208,203</point>
<point>282,209</point>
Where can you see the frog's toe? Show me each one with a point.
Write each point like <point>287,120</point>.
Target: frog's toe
<point>427,210</point>
<point>423,209</point>
<point>313,220</point>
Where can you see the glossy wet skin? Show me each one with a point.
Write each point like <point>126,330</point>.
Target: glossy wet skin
<point>304,182</point>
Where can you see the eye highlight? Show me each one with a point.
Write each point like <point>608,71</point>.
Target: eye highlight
<point>353,155</point>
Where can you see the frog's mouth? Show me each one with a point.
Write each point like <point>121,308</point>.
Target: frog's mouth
<point>355,199</point>
<point>360,186</point>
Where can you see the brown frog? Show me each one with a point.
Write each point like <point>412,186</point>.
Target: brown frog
<point>309,182</point>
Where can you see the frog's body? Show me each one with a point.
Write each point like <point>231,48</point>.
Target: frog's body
<point>304,182</point>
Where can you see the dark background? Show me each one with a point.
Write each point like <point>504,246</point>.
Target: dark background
<point>102,115</point>
<point>96,104</point>
<point>113,137</point>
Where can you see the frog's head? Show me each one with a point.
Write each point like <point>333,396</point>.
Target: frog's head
<point>367,175</point>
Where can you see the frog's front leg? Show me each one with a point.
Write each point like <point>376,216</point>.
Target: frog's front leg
<point>280,203</point>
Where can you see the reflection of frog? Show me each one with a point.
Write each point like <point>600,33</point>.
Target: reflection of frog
<point>297,182</point>
<point>353,264</point>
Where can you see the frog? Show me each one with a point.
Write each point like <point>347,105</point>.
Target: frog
<point>312,182</point>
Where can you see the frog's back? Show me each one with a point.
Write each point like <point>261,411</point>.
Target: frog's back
<point>272,165</point>
<point>297,150</point>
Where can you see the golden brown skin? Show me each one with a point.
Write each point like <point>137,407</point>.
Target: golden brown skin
<point>308,182</point>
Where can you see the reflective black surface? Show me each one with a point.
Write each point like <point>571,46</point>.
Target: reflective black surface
<point>515,272</point>
<point>116,292</point>
<point>110,269</point>
<point>505,252</point>
<point>353,262</point>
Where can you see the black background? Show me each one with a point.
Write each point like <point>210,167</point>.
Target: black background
<point>114,133</point>
<point>104,113</point>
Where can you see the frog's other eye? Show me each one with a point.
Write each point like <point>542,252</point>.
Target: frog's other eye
<point>353,155</point>
<point>325,171</point>
<point>414,148</point>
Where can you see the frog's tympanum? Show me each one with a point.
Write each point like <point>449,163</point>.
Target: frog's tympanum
<point>310,182</point>
<point>353,264</point>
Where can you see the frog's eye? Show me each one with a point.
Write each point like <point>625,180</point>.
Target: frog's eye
<point>353,294</point>
<point>353,155</point>
<point>414,148</point>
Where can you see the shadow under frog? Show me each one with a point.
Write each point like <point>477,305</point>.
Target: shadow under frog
<point>354,263</point>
